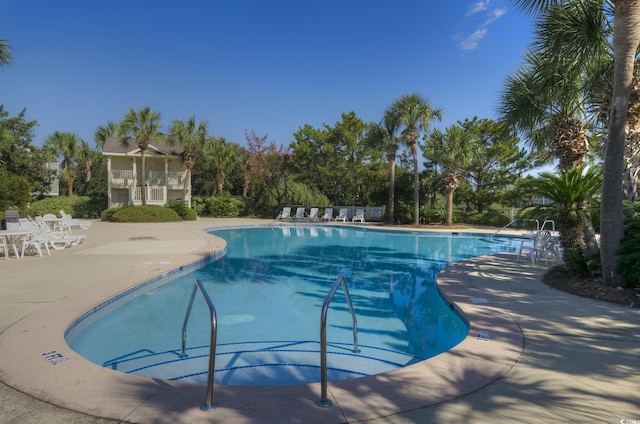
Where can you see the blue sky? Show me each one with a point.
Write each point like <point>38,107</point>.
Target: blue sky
<point>266,65</point>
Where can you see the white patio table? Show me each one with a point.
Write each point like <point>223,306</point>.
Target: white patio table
<point>13,239</point>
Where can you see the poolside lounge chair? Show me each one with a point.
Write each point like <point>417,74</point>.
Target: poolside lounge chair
<point>300,214</point>
<point>313,214</point>
<point>35,240</point>
<point>343,215</point>
<point>328,214</point>
<point>284,214</point>
<point>57,239</point>
<point>359,216</point>
<point>68,221</point>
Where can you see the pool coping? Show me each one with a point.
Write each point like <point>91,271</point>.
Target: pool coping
<point>492,347</point>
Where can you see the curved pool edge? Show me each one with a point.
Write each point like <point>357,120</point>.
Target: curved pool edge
<point>79,385</point>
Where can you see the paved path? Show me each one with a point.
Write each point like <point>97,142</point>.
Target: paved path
<point>580,362</point>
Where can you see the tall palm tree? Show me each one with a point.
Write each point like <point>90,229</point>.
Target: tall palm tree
<point>143,126</point>
<point>600,98</point>
<point>192,138</point>
<point>453,150</point>
<point>67,145</point>
<point>220,156</point>
<point>413,113</point>
<point>626,39</point>
<point>383,135</point>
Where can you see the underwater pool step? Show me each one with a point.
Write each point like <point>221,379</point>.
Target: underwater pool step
<point>266,363</point>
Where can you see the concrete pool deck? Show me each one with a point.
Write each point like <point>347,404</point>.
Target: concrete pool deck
<point>551,356</point>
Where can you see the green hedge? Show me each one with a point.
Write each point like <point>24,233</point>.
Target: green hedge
<point>219,207</point>
<point>148,213</point>
<point>76,206</point>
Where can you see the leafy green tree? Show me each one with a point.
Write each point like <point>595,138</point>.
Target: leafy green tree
<point>453,151</point>
<point>335,161</point>
<point>143,126</point>
<point>18,157</point>
<point>414,114</point>
<point>496,164</point>
<point>192,138</point>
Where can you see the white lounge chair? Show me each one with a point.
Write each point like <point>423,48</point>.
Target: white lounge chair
<point>68,221</point>
<point>343,215</point>
<point>35,240</point>
<point>284,214</point>
<point>359,216</point>
<point>58,239</point>
<point>328,215</point>
<point>300,214</point>
<point>313,214</point>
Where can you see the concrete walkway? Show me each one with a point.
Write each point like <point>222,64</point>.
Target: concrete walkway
<point>580,361</point>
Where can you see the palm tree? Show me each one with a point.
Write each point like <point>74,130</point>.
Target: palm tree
<point>573,195</point>
<point>5,53</point>
<point>626,39</point>
<point>67,145</point>
<point>102,133</point>
<point>220,156</point>
<point>192,138</point>
<point>143,126</point>
<point>453,150</point>
<point>549,108</point>
<point>414,114</point>
<point>383,136</point>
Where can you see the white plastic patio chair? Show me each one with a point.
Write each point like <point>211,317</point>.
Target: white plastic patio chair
<point>540,246</point>
<point>4,247</point>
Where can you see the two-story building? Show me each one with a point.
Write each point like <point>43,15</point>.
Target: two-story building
<point>164,168</point>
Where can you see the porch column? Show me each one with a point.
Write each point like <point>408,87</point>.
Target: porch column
<point>109,179</point>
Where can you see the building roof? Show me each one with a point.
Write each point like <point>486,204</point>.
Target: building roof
<point>117,146</point>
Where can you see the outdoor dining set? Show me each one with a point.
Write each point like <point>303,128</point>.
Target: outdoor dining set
<point>33,235</point>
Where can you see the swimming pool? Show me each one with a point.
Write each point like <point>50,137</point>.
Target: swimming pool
<point>268,291</point>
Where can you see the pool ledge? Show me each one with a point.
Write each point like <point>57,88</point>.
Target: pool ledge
<point>493,346</point>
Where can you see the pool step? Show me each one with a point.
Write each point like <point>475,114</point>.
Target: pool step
<point>266,363</point>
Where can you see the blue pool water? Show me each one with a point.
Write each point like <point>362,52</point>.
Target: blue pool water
<point>268,291</point>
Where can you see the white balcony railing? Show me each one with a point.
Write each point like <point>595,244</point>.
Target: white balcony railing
<point>154,178</point>
<point>122,177</point>
<point>154,195</point>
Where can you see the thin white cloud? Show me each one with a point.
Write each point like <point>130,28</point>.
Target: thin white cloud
<point>478,7</point>
<point>471,42</point>
<point>497,13</point>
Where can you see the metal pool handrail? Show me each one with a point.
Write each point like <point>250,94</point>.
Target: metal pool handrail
<point>323,401</point>
<point>208,404</point>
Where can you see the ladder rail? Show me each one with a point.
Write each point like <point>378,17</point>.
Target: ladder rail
<point>340,281</point>
<point>208,404</point>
